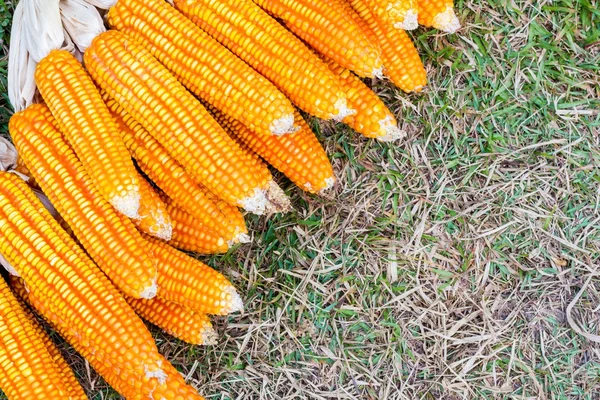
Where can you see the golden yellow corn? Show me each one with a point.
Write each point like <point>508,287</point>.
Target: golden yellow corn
<point>27,370</point>
<point>372,119</point>
<point>109,237</point>
<point>322,25</point>
<point>402,62</point>
<point>153,217</point>
<point>172,388</point>
<point>205,66</point>
<point>401,14</point>
<point>272,50</point>
<point>70,382</point>
<point>84,120</point>
<point>190,234</point>
<point>438,14</point>
<point>187,281</point>
<point>78,296</point>
<point>150,94</point>
<point>176,320</point>
<point>170,177</point>
<point>299,156</point>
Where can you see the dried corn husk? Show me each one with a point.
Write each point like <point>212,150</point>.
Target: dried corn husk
<point>42,27</point>
<point>81,21</point>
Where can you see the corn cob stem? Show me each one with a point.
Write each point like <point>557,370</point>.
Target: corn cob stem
<point>187,281</point>
<point>27,370</point>
<point>299,156</point>
<point>150,94</point>
<point>116,245</point>
<point>272,50</point>
<point>176,320</point>
<point>372,119</point>
<point>402,62</point>
<point>85,121</point>
<point>154,160</point>
<point>321,24</point>
<point>401,14</point>
<point>438,14</point>
<point>204,66</point>
<point>153,217</point>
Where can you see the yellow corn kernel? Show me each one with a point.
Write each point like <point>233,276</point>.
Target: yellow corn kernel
<point>84,120</point>
<point>438,14</point>
<point>176,320</point>
<point>402,62</point>
<point>150,94</point>
<point>108,237</point>
<point>273,51</point>
<point>205,66</point>
<point>401,14</point>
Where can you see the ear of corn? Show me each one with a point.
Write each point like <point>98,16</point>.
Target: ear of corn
<point>85,121</point>
<point>401,14</point>
<point>190,234</point>
<point>438,14</point>
<point>27,370</point>
<point>150,94</point>
<point>323,26</point>
<point>205,66</point>
<point>372,119</point>
<point>170,177</point>
<point>70,382</point>
<point>176,320</point>
<point>299,156</point>
<point>272,50</point>
<point>402,61</point>
<point>78,297</point>
<point>153,217</point>
<point>109,238</point>
<point>173,386</point>
<point>187,281</point>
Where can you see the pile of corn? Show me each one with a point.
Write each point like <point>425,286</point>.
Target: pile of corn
<point>145,140</point>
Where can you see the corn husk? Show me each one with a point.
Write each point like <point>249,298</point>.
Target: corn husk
<point>42,27</point>
<point>81,21</point>
<point>102,4</point>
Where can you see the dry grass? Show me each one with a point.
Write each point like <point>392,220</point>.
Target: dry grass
<point>461,263</point>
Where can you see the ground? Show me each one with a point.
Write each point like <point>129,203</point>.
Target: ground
<point>462,262</point>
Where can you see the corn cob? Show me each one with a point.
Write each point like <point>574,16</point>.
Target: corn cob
<point>372,119</point>
<point>169,176</point>
<point>438,14</point>
<point>173,387</point>
<point>178,321</point>
<point>299,156</point>
<point>67,375</point>
<point>205,66</point>
<point>150,94</point>
<point>115,244</point>
<point>87,125</point>
<point>187,281</point>
<point>189,234</point>
<point>402,62</point>
<point>272,50</point>
<point>27,370</point>
<point>153,217</point>
<point>401,14</point>
<point>322,25</point>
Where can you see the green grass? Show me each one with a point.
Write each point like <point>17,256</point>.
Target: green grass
<point>440,267</point>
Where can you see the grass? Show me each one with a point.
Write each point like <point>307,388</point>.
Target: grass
<point>443,266</point>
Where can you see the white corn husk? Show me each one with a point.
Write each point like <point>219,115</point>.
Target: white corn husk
<point>8,155</point>
<point>102,4</point>
<point>42,27</point>
<point>21,66</point>
<point>72,48</point>
<point>81,21</point>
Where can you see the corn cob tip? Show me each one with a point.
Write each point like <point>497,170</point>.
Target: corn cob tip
<point>447,21</point>
<point>329,182</point>
<point>236,303</point>
<point>150,292</point>
<point>392,131</point>
<point>279,202</point>
<point>159,374</point>
<point>209,336</point>
<point>283,125</point>
<point>343,110</point>
<point>128,205</point>
<point>411,21</point>
<point>378,73</point>
<point>256,204</point>
<point>239,238</point>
